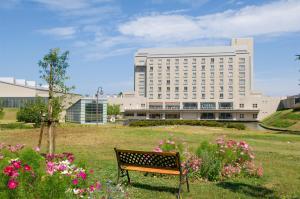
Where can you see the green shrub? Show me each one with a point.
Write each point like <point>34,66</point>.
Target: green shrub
<point>31,112</point>
<point>145,123</point>
<point>211,164</point>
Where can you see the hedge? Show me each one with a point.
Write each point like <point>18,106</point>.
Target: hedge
<point>145,123</point>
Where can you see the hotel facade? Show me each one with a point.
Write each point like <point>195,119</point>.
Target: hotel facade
<point>201,83</point>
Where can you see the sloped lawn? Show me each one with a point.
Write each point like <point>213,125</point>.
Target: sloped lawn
<point>279,154</point>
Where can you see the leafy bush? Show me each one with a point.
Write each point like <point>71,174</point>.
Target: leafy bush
<point>27,174</point>
<point>32,112</point>
<point>211,164</point>
<point>145,123</point>
<point>227,158</point>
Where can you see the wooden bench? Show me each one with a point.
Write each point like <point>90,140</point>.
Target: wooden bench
<point>150,162</point>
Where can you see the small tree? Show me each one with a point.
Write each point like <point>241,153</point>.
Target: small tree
<point>53,68</point>
<point>113,109</point>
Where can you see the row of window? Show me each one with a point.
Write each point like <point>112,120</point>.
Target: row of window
<point>194,68</point>
<point>203,60</point>
<point>186,96</point>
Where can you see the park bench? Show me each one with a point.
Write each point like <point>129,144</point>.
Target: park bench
<point>150,162</point>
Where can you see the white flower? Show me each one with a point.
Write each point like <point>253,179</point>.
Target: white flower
<point>76,191</point>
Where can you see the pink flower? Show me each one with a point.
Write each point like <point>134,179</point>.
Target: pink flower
<point>98,185</point>
<point>75,181</point>
<point>260,171</point>
<point>27,167</point>
<point>17,164</point>
<point>92,188</point>
<point>9,170</point>
<point>82,175</point>
<point>1,156</point>
<point>91,171</point>
<point>231,143</point>
<point>50,168</point>
<point>37,149</point>
<point>12,184</point>
<point>161,142</point>
<point>157,149</point>
<point>62,167</point>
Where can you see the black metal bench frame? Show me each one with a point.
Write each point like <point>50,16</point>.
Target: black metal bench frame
<point>150,162</point>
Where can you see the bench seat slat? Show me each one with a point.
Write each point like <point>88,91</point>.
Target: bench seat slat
<point>151,170</point>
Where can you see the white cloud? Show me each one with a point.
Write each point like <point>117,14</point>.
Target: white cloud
<point>275,18</point>
<point>60,32</point>
<point>64,4</point>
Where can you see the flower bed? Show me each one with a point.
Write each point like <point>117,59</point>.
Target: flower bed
<point>218,161</point>
<point>27,174</point>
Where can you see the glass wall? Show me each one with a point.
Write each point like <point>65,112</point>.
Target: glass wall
<point>18,102</point>
<point>91,115</point>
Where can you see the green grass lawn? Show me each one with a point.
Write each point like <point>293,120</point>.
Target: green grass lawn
<point>10,115</point>
<point>278,153</point>
<point>286,119</point>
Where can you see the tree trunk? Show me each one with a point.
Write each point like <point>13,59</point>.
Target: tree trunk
<point>50,114</point>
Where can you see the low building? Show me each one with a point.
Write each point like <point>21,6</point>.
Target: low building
<point>88,111</point>
<point>15,93</point>
<point>291,102</point>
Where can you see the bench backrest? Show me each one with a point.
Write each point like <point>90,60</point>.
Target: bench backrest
<point>162,160</point>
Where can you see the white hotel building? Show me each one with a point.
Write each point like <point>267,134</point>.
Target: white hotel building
<point>196,83</point>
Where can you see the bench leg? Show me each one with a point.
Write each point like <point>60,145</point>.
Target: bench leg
<point>179,187</point>
<point>187,183</point>
<point>128,177</point>
<point>118,176</point>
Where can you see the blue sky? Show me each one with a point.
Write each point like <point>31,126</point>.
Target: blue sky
<point>102,36</point>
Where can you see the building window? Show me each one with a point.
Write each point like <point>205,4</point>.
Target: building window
<point>203,61</point>
<point>241,105</point>
<point>203,82</point>
<point>242,60</point>
<point>177,82</point>
<point>254,105</point>
<point>221,81</point>
<point>212,95</point>
<point>212,67</point>
<point>208,105</point>
<point>151,69</point>
<point>168,89</point>
<point>221,60</point>
<point>242,74</point>
<point>176,89</point>
<point>194,96</point>
<point>242,82</point>
<point>168,96</point>
<point>230,82</point>
<point>212,81</point>
<point>194,88</point>
<point>203,68</point>
<point>241,67</point>
<point>194,68</point>
<point>185,89</point>
<point>221,95</point>
<point>168,68</point>
<point>194,82</point>
<point>242,116</point>
<point>203,74</point>
<point>230,95</point>
<point>221,88</point>
<point>212,60</point>
<point>159,96</point>
<point>176,96</point>
<point>168,82</point>
<point>185,96</point>
<point>255,116</point>
<point>185,68</point>
<point>159,89</point>
<point>203,95</point>
<point>230,68</point>
<point>185,82</point>
<point>212,74</point>
<point>176,68</point>
<point>230,60</point>
<point>221,68</point>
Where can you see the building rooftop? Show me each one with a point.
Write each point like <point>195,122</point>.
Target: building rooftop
<point>190,50</point>
<point>23,83</point>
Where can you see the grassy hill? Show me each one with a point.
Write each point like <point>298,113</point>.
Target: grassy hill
<point>286,119</point>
